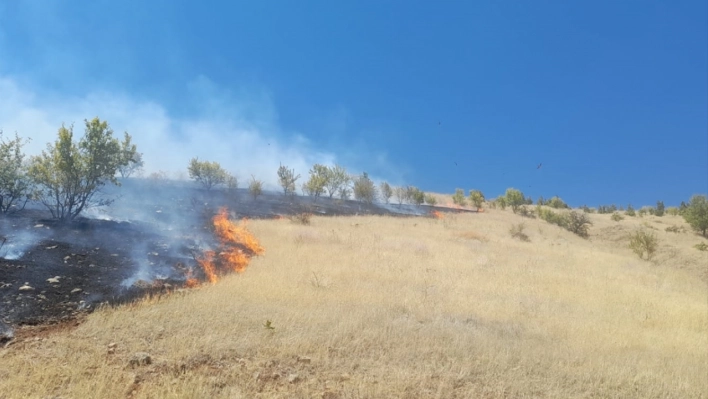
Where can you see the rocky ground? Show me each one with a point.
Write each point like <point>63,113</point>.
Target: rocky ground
<point>145,242</point>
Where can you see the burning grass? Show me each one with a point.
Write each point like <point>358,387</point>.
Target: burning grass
<point>236,247</point>
<point>353,312</point>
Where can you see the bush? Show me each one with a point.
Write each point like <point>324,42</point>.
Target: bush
<point>255,187</point>
<point>459,197</point>
<point>642,242</point>
<point>69,174</point>
<point>476,198</point>
<point>552,217</point>
<point>386,191</point>
<point>616,217</point>
<point>696,213</point>
<point>232,183</point>
<point>701,246</point>
<point>514,198</point>
<point>303,218</point>
<point>672,210</point>
<point>630,211</point>
<point>660,209</point>
<point>15,184</point>
<point>578,223</point>
<point>586,209</point>
<point>364,189</point>
<point>642,212</point>
<point>517,231</point>
<point>676,229</point>
<point>315,186</point>
<point>287,179</point>
<point>415,195</point>
<point>557,203</point>
<point>400,194</point>
<point>524,211</point>
<point>209,174</point>
<point>430,199</point>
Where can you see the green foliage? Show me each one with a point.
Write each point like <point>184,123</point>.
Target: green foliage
<point>319,176</point>
<point>617,217</point>
<point>430,199</point>
<point>578,223</point>
<point>552,217</point>
<point>642,212</point>
<point>682,208</point>
<point>524,211</point>
<point>255,187</point>
<point>676,229</point>
<point>696,213</point>
<point>459,197</point>
<point>287,179</point>
<point>517,231</point>
<point>643,243</point>
<point>540,201</point>
<point>131,159</point>
<point>337,180</point>
<point>501,201</point>
<point>650,210</point>
<point>514,198</point>
<point>386,191</point>
<point>209,174</point>
<point>15,184</point>
<point>557,203</point>
<point>415,195</point>
<point>231,183</point>
<point>68,174</point>
<point>630,211</point>
<point>672,210</point>
<point>701,246</point>
<point>364,189</point>
<point>477,198</point>
<point>602,209</point>
<point>400,194</point>
<point>660,209</point>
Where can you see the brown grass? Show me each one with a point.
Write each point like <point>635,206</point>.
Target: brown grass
<point>378,307</point>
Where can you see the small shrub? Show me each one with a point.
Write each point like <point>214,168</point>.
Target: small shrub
<point>696,214</point>
<point>672,210</point>
<point>552,217</point>
<point>303,218</point>
<point>630,211</point>
<point>524,211</point>
<point>514,198</point>
<point>676,229</point>
<point>660,209</point>
<point>578,223</point>
<point>557,203</point>
<point>255,187</point>
<point>643,244</point>
<point>287,179</point>
<point>517,231</point>
<point>477,198</point>
<point>459,197</point>
<point>430,199</point>
<point>701,246</point>
<point>616,217</point>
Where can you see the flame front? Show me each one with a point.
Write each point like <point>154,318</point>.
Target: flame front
<point>236,247</point>
<point>437,214</point>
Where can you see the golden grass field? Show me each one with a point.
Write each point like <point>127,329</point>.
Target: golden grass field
<point>383,307</point>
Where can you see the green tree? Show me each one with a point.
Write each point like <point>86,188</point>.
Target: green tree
<point>68,175</point>
<point>386,191</point>
<point>209,174</point>
<point>557,202</point>
<point>287,179</point>
<point>430,199</point>
<point>660,209</point>
<point>415,195</point>
<point>255,187</point>
<point>400,194</point>
<point>364,189</point>
<point>336,178</point>
<point>132,160</point>
<point>315,186</point>
<point>514,198</point>
<point>459,197</point>
<point>477,198</point>
<point>696,213</point>
<point>15,184</point>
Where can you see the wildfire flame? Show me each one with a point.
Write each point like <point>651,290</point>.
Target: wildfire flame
<point>236,247</point>
<point>437,214</point>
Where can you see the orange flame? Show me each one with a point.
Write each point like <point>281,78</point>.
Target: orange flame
<point>236,246</point>
<point>437,215</point>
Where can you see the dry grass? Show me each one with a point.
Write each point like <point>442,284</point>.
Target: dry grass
<point>377,307</point>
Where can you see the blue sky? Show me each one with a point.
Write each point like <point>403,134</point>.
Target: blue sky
<point>611,97</point>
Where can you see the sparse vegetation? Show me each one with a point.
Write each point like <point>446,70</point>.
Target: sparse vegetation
<point>672,210</point>
<point>517,231</point>
<point>630,211</point>
<point>477,198</point>
<point>132,160</point>
<point>557,203</point>
<point>287,180</point>
<point>676,229</point>
<point>514,198</point>
<point>578,223</point>
<point>68,175</point>
<point>209,174</point>
<point>430,199</point>
<point>400,194</point>
<point>643,243</point>
<point>15,184</point>
<point>696,214</point>
<point>385,191</point>
<point>701,246</point>
<point>255,187</point>
<point>526,212</point>
<point>459,197</point>
<point>231,183</point>
<point>616,217</point>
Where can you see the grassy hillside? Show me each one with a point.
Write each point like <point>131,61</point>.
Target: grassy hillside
<point>383,307</point>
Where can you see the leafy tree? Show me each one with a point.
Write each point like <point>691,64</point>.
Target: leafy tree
<point>514,198</point>
<point>68,174</point>
<point>556,202</point>
<point>364,189</point>
<point>132,160</point>
<point>287,179</point>
<point>386,191</point>
<point>209,174</point>
<point>477,198</point>
<point>415,195</point>
<point>255,187</point>
<point>430,199</point>
<point>660,209</point>
<point>696,214</point>
<point>501,201</point>
<point>319,175</point>
<point>400,194</point>
<point>15,184</point>
<point>459,197</point>
<point>336,178</point>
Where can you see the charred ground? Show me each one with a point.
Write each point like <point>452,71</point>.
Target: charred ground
<point>146,242</point>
